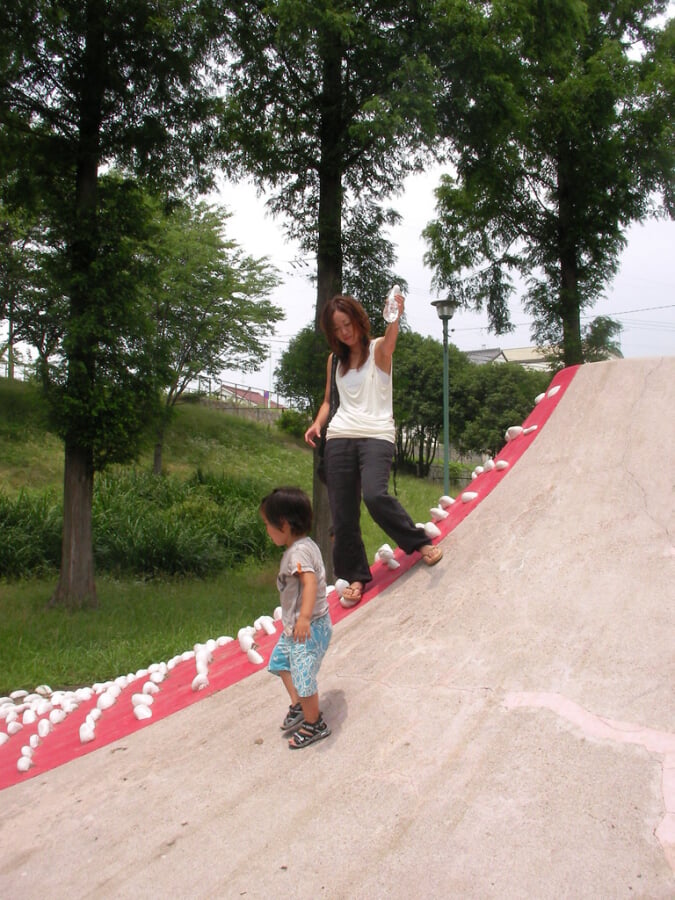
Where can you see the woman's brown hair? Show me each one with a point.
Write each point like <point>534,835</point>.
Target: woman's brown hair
<point>351,307</point>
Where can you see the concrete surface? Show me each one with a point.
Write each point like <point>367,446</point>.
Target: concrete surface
<point>503,724</point>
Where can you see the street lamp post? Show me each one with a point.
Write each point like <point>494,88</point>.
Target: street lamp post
<point>446,310</point>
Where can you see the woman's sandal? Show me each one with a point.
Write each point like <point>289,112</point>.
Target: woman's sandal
<point>308,733</point>
<point>351,596</point>
<point>431,554</point>
<point>294,717</point>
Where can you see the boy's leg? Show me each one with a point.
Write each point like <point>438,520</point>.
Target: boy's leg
<point>310,707</point>
<point>292,693</point>
<point>306,658</point>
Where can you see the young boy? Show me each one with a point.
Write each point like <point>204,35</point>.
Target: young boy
<point>307,628</point>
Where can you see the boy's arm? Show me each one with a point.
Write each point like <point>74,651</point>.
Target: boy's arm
<point>308,583</point>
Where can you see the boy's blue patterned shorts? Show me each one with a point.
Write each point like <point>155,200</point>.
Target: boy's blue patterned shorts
<point>303,658</point>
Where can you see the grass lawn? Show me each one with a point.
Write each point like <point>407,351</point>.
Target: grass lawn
<point>141,621</point>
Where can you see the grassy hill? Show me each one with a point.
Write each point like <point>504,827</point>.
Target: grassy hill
<point>143,619</point>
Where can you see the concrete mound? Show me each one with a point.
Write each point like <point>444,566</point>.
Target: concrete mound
<point>503,723</point>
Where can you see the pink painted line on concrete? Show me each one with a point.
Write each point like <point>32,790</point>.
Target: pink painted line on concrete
<point>658,743</point>
<point>229,664</point>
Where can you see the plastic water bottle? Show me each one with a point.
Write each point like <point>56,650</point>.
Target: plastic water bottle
<point>390,311</point>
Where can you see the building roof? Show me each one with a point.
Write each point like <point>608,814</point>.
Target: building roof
<point>528,357</point>
<point>485,355</point>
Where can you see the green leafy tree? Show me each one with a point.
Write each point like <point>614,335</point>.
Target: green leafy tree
<point>209,304</point>
<point>329,104</point>
<point>486,400</point>
<point>418,397</point>
<point>563,136</point>
<point>301,373</point>
<point>599,339</point>
<point>84,85</point>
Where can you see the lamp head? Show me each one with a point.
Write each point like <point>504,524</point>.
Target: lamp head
<point>445,308</point>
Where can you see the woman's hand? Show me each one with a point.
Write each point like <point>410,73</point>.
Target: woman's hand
<point>313,432</point>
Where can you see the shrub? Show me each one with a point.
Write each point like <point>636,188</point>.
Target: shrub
<point>293,422</point>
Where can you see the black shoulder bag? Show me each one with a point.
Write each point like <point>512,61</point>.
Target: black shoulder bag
<point>334,403</point>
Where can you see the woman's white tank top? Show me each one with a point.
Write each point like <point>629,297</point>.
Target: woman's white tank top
<point>365,409</point>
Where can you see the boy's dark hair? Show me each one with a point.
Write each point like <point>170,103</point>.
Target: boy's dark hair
<point>288,504</point>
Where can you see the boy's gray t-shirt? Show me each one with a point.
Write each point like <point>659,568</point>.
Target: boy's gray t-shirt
<point>302,556</point>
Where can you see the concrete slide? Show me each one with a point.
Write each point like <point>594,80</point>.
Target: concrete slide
<point>503,723</point>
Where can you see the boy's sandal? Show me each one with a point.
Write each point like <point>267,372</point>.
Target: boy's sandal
<point>309,733</point>
<point>294,717</point>
<point>351,596</point>
<point>431,554</point>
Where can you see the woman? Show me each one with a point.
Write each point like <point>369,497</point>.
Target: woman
<point>360,443</point>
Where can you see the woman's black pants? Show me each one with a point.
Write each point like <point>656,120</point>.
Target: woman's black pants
<point>353,466</point>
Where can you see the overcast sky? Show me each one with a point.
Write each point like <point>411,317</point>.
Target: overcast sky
<point>641,297</point>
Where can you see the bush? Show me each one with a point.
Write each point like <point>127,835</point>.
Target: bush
<point>294,423</point>
<point>151,525</point>
<point>31,534</point>
<point>143,525</point>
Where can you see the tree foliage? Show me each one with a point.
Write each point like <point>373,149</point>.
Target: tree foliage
<point>329,105</point>
<point>301,373</point>
<point>209,305</point>
<point>84,85</point>
<point>486,400</point>
<point>563,136</point>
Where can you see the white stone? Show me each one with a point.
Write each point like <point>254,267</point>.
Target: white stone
<point>43,706</point>
<point>530,429</point>
<point>254,657</point>
<point>446,501</point>
<point>539,398</point>
<point>14,727</point>
<point>341,586</point>
<point>142,712</point>
<point>246,641</point>
<point>468,496</point>
<point>141,700</point>
<point>44,727</point>
<point>199,682</point>
<point>513,432</point>
<point>431,530</point>
<point>553,391</point>
<point>502,464</point>
<point>201,665</point>
<point>105,700</point>
<point>86,733</point>
<point>438,513</point>
<point>268,626</point>
<point>24,763</point>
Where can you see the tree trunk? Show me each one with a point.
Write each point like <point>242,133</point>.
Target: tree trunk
<point>329,245</point>
<point>157,457</point>
<point>76,588</point>
<point>567,254</point>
